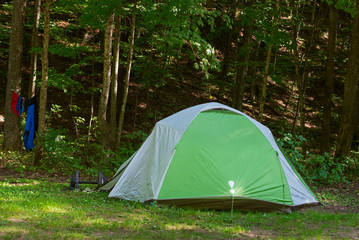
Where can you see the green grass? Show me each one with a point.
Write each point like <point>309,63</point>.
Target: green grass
<point>31,209</point>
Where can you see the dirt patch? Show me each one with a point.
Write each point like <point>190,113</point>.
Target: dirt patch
<point>345,233</point>
<point>348,233</point>
<point>258,233</point>
<point>7,173</point>
<point>344,198</point>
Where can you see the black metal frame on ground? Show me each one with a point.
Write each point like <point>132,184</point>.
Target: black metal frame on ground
<point>75,180</point>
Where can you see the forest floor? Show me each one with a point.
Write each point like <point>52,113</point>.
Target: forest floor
<point>35,204</point>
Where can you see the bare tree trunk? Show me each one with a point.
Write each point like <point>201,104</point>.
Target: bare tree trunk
<point>265,82</point>
<point>127,76</point>
<point>12,124</point>
<point>102,112</point>
<point>266,69</point>
<point>313,11</point>
<point>92,101</point>
<point>44,80</point>
<point>348,120</point>
<point>223,76</point>
<point>328,87</point>
<point>241,76</point>
<point>114,81</point>
<point>300,80</point>
<point>34,43</point>
<point>253,74</point>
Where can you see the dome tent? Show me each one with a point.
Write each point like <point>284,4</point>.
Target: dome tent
<point>211,156</point>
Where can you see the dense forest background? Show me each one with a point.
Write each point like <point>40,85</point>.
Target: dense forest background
<point>104,72</point>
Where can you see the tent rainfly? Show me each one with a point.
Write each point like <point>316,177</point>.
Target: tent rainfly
<point>211,156</point>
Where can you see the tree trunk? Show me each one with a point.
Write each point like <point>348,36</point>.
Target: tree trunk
<point>348,120</point>
<point>266,69</point>
<point>223,76</point>
<point>328,87</point>
<point>34,43</point>
<point>306,72</point>
<point>114,81</point>
<point>265,81</point>
<point>12,124</point>
<point>92,101</point>
<point>299,80</point>
<point>44,80</point>
<point>356,125</point>
<point>253,74</point>
<point>102,112</point>
<point>127,76</point>
<point>241,76</point>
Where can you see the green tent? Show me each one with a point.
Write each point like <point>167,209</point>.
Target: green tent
<point>211,156</point>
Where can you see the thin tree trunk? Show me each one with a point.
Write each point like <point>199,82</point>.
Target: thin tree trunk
<point>306,71</point>
<point>356,125</point>
<point>328,87</point>
<point>300,81</point>
<point>313,11</point>
<point>127,76</point>
<point>102,112</point>
<point>301,91</point>
<point>34,43</point>
<point>266,69</point>
<point>114,80</point>
<point>92,101</point>
<point>223,76</point>
<point>241,76</point>
<point>356,128</point>
<point>12,124</point>
<point>45,67</point>
<point>44,80</point>
<point>348,120</point>
<point>253,74</point>
<point>265,81</point>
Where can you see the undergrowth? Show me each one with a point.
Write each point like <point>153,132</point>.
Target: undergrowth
<point>316,168</point>
<point>64,154</point>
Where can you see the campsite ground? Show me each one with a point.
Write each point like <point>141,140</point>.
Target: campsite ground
<point>38,205</point>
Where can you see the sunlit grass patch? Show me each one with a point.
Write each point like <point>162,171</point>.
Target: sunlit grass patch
<point>179,226</point>
<point>12,231</point>
<point>53,208</point>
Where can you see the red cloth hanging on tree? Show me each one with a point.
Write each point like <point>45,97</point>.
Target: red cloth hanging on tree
<point>14,100</point>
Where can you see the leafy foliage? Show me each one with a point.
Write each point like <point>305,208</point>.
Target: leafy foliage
<point>63,154</point>
<point>59,152</point>
<point>4,39</point>
<point>67,51</point>
<point>65,81</point>
<point>315,168</point>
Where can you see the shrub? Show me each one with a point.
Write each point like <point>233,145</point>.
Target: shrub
<point>60,153</point>
<point>322,169</point>
<point>66,155</point>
